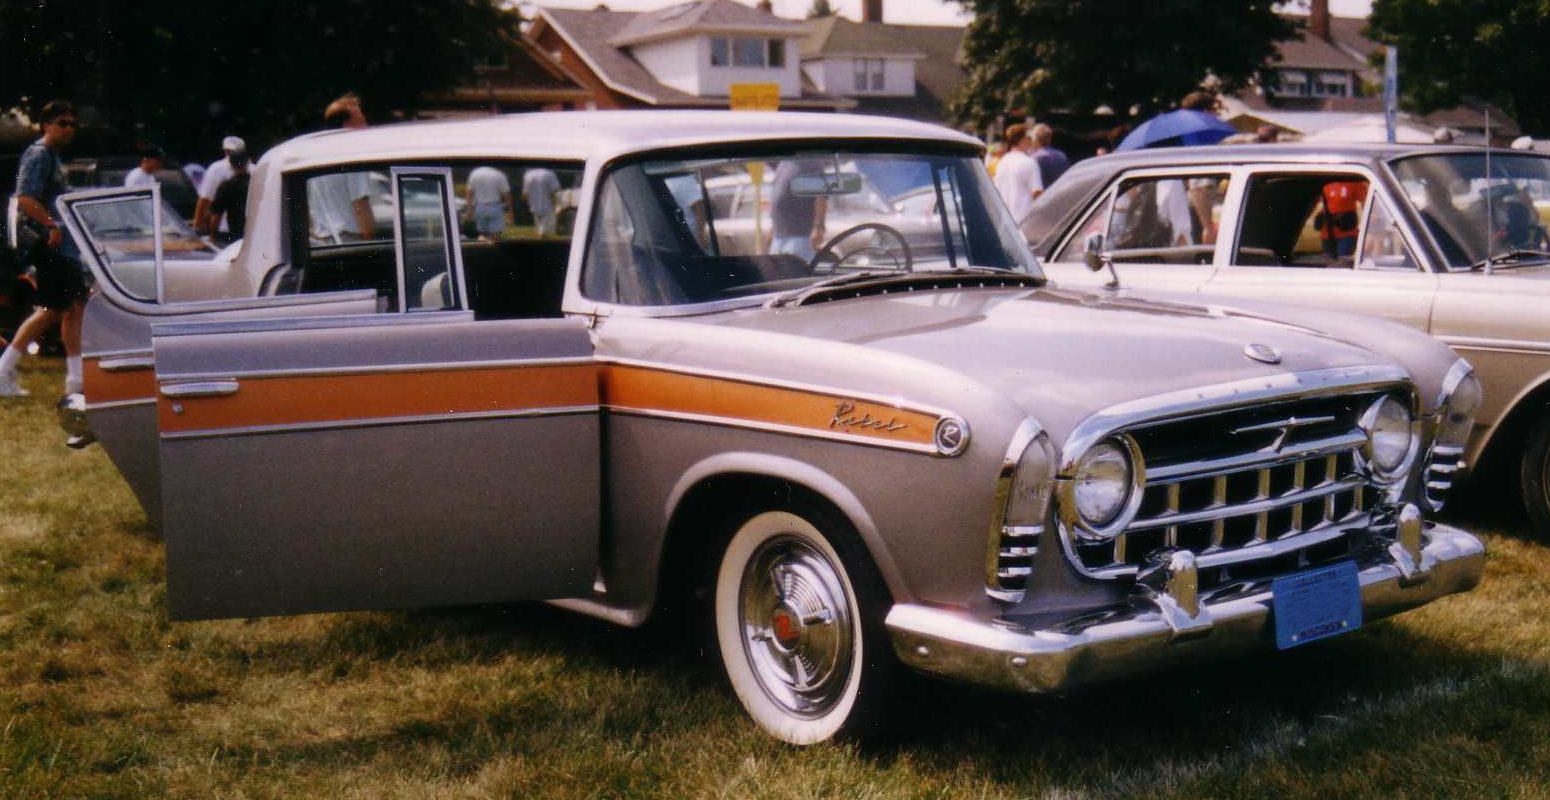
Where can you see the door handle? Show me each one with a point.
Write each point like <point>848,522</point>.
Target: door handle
<point>181,391</point>
<point>127,364</point>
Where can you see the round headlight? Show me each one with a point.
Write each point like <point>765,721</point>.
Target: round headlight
<point>1101,483</point>
<point>1387,425</point>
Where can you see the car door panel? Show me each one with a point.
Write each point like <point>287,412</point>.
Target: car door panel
<point>119,380</point>
<point>384,462</point>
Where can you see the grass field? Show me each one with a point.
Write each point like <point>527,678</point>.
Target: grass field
<point>100,696</point>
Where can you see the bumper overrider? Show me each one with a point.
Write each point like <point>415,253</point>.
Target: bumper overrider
<point>1172,625</point>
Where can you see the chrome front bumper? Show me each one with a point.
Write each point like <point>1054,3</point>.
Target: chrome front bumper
<point>1439,561</point>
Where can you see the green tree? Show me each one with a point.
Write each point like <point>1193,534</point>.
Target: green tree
<point>185,72</point>
<point>1080,54</point>
<point>1453,49</point>
<point>820,8</point>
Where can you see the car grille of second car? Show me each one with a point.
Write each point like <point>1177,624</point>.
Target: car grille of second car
<point>1247,496</point>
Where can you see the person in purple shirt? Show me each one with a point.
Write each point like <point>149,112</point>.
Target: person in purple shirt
<point>1052,161</point>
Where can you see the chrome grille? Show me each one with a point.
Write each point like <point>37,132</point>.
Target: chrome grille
<point>1014,560</point>
<point>1241,485</point>
<point>1442,467</point>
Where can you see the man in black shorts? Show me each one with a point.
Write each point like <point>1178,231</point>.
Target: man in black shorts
<point>40,178</point>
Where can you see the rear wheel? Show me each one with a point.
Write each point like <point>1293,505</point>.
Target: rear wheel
<point>798,620</point>
<point>1534,478</point>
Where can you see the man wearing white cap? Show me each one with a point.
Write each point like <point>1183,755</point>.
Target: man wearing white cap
<point>216,174</point>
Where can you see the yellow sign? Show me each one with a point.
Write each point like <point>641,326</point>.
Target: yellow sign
<point>755,96</point>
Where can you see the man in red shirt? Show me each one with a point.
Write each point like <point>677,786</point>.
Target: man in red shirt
<point>1339,217</point>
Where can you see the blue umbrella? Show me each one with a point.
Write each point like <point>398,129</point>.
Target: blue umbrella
<point>1177,128</point>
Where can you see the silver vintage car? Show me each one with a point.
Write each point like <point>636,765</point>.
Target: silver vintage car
<point>1449,240</point>
<point>855,449</point>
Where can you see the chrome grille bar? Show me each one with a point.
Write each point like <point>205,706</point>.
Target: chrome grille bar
<point>1330,446</point>
<point>1260,508</point>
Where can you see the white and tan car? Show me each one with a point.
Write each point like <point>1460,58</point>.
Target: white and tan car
<point>1448,240</point>
<point>881,455</point>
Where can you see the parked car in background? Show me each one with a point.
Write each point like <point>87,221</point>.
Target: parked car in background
<point>875,457</point>
<point>1448,240</point>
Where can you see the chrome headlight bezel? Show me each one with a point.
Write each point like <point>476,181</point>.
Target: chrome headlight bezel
<point>1457,405</point>
<point>1378,457</point>
<point>1123,512</point>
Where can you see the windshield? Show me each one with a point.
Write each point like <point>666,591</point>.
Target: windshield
<point>1475,215</point>
<point>671,232</point>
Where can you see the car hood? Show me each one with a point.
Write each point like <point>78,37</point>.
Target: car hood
<point>1061,354</point>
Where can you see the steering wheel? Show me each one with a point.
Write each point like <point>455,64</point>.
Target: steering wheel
<point>901,258</point>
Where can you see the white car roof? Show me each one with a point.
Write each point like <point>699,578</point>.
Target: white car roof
<point>587,135</point>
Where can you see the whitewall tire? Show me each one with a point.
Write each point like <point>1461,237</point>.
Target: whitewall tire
<point>792,623</point>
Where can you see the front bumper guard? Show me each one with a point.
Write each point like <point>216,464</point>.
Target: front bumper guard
<point>1175,627</point>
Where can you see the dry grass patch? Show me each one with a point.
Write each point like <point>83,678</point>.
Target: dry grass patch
<point>101,697</point>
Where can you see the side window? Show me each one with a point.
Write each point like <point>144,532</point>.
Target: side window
<point>1301,220</point>
<point>513,225</point>
<point>121,231</point>
<point>1383,246</point>
<point>1097,222</point>
<point>1170,220</point>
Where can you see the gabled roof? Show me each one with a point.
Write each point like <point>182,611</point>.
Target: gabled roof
<point>1308,51</point>
<point>836,36</point>
<point>591,33</point>
<point>701,17</point>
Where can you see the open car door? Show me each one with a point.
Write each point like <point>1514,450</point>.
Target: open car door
<point>130,240</point>
<point>413,457</point>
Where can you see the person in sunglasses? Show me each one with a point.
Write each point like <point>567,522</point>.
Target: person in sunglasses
<point>40,179</point>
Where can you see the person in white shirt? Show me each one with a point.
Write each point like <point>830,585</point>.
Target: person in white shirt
<point>216,174</point>
<point>539,187</point>
<point>1017,175</point>
<point>145,174</point>
<point>488,203</point>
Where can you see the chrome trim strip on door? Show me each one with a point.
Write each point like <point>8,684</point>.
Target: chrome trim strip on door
<point>218,433</point>
<point>773,427</point>
<point>800,386</point>
<point>387,369</point>
<point>1497,345</point>
<point>143,401</point>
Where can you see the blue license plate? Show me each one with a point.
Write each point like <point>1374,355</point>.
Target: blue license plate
<point>1317,604</point>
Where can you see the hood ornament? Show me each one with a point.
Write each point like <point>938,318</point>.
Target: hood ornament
<point>1263,353</point>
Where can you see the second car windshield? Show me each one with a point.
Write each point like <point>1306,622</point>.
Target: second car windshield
<point>1476,214</point>
<point>671,232</point>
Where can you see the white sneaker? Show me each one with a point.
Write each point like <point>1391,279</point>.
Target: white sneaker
<point>10,388</point>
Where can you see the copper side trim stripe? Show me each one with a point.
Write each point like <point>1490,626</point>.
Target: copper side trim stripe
<point>314,399</point>
<point>103,387</point>
<point>647,390</point>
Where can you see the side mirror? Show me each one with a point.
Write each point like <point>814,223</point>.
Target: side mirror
<point>1097,258</point>
<point>1092,251</point>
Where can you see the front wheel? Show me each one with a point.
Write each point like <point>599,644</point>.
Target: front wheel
<point>798,621</point>
<point>1534,478</point>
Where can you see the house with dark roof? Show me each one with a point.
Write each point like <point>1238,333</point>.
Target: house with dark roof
<point>909,71</point>
<point>1324,78</point>
<point>687,55</point>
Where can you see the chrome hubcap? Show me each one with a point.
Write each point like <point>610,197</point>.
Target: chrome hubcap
<point>796,623</point>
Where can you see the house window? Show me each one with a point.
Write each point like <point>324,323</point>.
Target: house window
<point>743,52</point>
<point>869,74</point>
<point>1294,83</point>
<point>1332,84</point>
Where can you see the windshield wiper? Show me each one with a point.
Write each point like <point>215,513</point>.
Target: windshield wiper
<point>1516,257</point>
